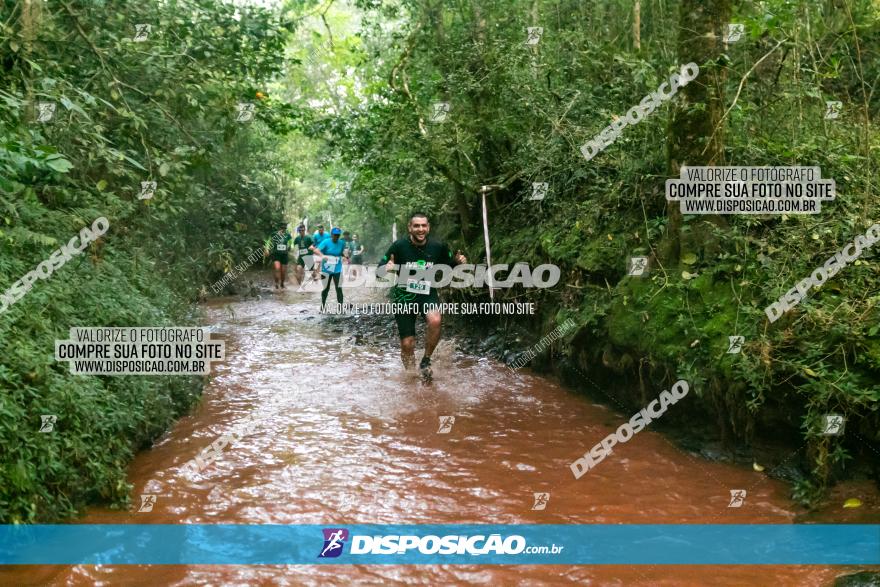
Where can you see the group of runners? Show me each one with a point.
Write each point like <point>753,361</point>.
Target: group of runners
<point>341,254</point>
<point>342,249</point>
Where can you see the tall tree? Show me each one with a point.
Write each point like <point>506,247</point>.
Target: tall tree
<point>695,135</point>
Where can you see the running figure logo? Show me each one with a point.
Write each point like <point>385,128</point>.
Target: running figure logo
<point>541,500</point>
<point>638,266</point>
<point>734,32</point>
<point>737,498</point>
<point>832,425</point>
<point>832,109</point>
<point>446,423</point>
<point>148,188</point>
<point>45,111</point>
<point>441,109</point>
<point>735,344</point>
<point>334,540</point>
<point>539,190</point>
<point>147,503</point>
<point>534,35</point>
<point>141,32</point>
<point>47,423</point>
<point>245,112</point>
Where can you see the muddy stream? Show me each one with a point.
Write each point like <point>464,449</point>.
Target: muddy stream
<point>345,436</point>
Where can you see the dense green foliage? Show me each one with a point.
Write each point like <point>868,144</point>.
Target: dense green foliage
<point>163,110</point>
<point>519,113</point>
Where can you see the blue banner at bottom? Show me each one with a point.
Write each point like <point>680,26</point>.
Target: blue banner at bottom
<point>457,544</point>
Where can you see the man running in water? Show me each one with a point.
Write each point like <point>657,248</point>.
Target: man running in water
<point>357,256</point>
<point>278,246</point>
<point>416,251</point>
<point>330,252</point>
<point>302,243</point>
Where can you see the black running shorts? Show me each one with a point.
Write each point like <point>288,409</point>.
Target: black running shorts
<point>406,323</point>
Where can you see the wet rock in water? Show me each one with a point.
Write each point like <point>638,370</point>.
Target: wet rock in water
<point>490,342</point>
<point>789,472</point>
<point>714,454</point>
<point>252,290</point>
<point>863,579</point>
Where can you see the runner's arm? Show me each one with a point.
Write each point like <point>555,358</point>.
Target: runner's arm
<point>454,260</point>
<point>388,259</point>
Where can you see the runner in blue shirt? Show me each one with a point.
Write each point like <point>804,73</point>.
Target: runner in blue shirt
<point>330,252</point>
<point>319,235</point>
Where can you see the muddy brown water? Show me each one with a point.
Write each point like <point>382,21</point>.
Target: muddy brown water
<point>346,438</point>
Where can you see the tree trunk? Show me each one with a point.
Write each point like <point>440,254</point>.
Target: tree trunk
<point>637,25</point>
<point>30,22</point>
<point>695,136</point>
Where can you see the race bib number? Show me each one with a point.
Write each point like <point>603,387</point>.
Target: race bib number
<point>303,252</point>
<point>330,261</point>
<point>281,247</point>
<point>418,286</point>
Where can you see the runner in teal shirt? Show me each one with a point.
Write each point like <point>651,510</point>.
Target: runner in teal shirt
<point>334,248</point>
<point>319,235</point>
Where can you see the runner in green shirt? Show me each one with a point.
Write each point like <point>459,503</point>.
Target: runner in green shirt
<point>357,256</point>
<point>417,250</point>
<point>304,258</point>
<point>277,248</point>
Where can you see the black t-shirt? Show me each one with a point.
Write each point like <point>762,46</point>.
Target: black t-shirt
<point>280,243</point>
<point>406,254</point>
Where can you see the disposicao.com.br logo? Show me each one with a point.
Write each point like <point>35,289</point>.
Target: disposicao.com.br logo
<point>453,544</point>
